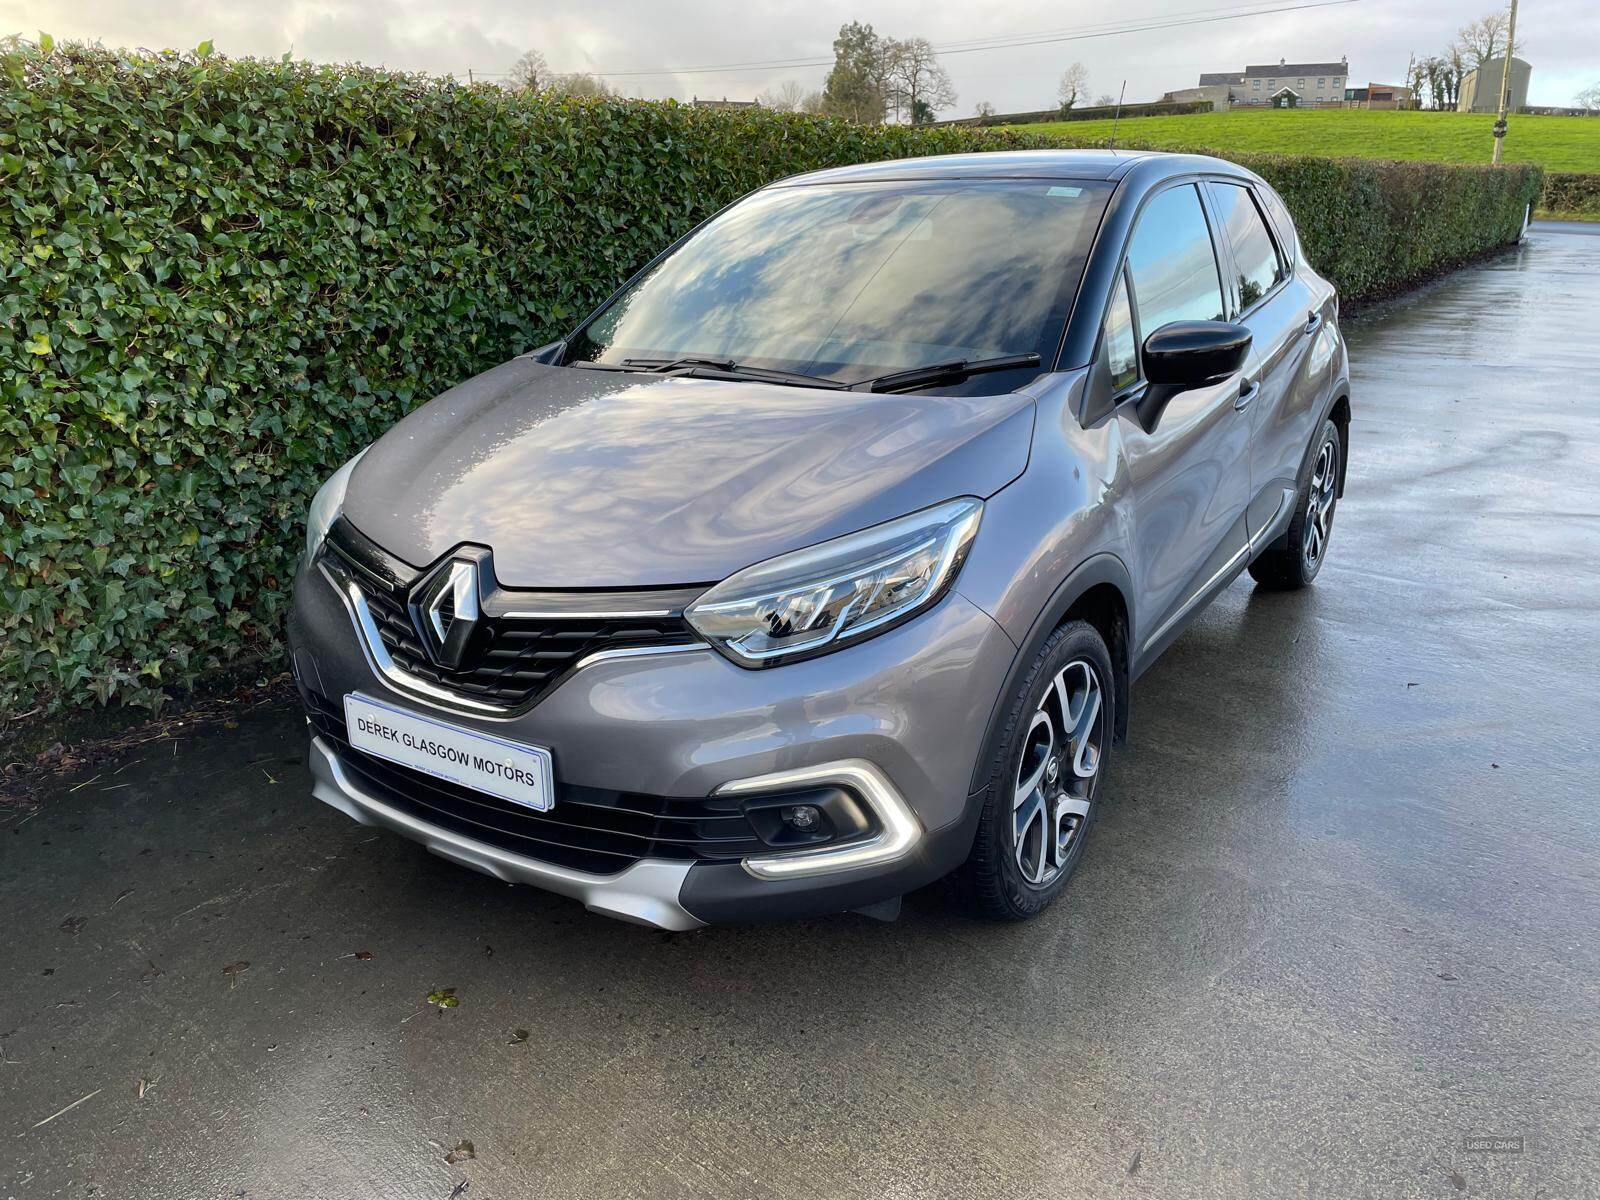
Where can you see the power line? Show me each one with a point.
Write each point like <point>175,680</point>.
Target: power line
<point>995,42</point>
<point>1244,8</point>
<point>979,45</point>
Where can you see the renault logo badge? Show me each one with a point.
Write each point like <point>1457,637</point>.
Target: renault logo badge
<point>450,608</point>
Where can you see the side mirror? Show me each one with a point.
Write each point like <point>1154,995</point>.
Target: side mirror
<point>1184,355</point>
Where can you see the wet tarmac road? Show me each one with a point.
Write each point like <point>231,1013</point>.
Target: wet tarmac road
<point>1341,912</point>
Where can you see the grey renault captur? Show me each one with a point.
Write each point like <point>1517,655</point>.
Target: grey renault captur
<point>816,564</point>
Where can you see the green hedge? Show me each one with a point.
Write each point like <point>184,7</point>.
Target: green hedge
<point>1574,194</point>
<point>1127,112</point>
<point>1376,227</point>
<point>221,278</point>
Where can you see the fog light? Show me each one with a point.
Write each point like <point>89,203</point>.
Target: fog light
<point>807,817</point>
<point>802,817</point>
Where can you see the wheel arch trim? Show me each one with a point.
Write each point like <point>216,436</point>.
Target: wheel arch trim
<point>1100,569</point>
<point>1341,396</point>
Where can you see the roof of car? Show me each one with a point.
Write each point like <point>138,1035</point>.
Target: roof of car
<point>1009,164</point>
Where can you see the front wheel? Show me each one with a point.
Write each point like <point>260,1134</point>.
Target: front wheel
<point>1295,558</point>
<point>1045,779</point>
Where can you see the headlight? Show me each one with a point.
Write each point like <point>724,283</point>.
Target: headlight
<point>823,597</point>
<point>325,505</point>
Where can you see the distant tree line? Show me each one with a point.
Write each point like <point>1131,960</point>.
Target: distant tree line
<point>874,80</point>
<point>531,73</point>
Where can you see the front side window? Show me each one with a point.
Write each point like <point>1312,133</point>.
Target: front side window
<point>1171,263</point>
<point>1122,355</point>
<point>1254,254</point>
<point>850,281</point>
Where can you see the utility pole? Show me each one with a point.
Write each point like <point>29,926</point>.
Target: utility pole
<point>1505,84</point>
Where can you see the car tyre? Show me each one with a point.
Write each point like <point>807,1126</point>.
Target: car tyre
<point>1045,779</point>
<point>1294,559</point>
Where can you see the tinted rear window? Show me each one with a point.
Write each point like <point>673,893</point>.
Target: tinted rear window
<point>1254,254</point>
<point>1288,237</point>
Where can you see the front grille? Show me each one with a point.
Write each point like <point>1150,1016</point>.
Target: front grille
<point>589,829</point>
<point>514,661</point>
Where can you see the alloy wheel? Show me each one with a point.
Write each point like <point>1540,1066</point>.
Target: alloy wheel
<point>1319,510</point>
<point>1055,780</point>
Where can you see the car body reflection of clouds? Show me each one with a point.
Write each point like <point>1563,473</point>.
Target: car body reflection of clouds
<point>576,484</point>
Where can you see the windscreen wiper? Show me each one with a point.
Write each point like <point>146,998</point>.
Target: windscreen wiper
<point>727,366</point>
<point>653,366</point>
<point>946,372</point>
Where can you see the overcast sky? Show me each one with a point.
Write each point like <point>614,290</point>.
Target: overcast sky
<point>1561,38</point>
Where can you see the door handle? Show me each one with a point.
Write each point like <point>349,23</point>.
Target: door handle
<point>1313,323</point>
<point>1247,393</point>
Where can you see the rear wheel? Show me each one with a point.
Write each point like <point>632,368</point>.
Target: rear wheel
<point>1295,558</point>
<point>1046,777</point>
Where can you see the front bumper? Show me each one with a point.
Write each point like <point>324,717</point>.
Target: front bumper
<point>646,892</point>
<point>911,707</point>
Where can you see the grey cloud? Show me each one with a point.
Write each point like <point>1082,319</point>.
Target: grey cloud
<point>485,36</point>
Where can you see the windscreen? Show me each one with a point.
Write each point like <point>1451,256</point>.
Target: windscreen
<point>852,281</point>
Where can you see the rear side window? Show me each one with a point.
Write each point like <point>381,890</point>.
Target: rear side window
<point>1278,211</point>
<point>1254,254</point>
<point>1171,264</point>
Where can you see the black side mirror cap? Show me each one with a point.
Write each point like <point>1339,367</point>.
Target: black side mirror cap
<point>1184,355</point>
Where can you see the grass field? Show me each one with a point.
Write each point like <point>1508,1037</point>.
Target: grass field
<point>1555,143</point>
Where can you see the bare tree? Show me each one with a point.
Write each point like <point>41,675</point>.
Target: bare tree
<point>1416,72</point>
<point>984,111</point>
<point>815,103</point>
<point>1105,100</point>
<point>1588,99</point>
<point>788,96</point>
<point>1484,38</point>
<point>580,84</point>
<point>531,72</point>
<point>894,100</point>
<point>1074,85</point>
<point>918,86</point>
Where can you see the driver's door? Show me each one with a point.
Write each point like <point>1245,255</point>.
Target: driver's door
<point>1191,474</point>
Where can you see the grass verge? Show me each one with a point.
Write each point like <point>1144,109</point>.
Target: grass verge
<point>1554,143</point>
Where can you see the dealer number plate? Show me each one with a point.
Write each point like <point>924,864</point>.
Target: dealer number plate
<point>509,770</point>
